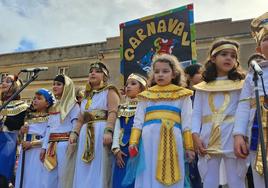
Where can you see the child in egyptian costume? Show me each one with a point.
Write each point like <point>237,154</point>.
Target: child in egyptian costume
<point>33,133</point>
<point>95,127</point>
<point>134,85</point>
<point>12,118</point>
<point>215,103</point>
<point>62,119</point>
<point>161,132</point>
<point>246,125</point>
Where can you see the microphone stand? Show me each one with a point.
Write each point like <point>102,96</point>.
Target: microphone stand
<point>34,76</point>
<point>261,137</point>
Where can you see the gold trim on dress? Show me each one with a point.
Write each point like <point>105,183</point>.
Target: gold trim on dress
<point>168,168</point>
<point>219,85</point>
<point>135,136</point>
<point>169,92</point>
<point>217,118</point>
<point>258,165</point>
<point>89,148</point>
<point>37,117</point>
<point>14,108</point>
<point>188,140</point>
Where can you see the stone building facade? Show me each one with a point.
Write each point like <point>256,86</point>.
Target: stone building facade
<point>74,60</point>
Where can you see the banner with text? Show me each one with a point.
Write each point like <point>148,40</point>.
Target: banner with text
<point>171,32</point>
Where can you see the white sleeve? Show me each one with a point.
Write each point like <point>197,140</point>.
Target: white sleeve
<point>74,114</point>
<point>197,113</point>
<point>242,115</point>
<point>116,134</point>
<point>45,140</point>
<point>139,115</point>
<point>186,114</point>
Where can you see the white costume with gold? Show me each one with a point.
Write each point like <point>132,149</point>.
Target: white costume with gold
<point>94,162</point>
<point>245,116</point>
<point>213,119</point>
<point>33,167</point>
<point>61,121</point>
<point>162,120</point>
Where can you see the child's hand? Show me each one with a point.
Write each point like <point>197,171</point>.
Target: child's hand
<point>240,147</point>
<point>24,129</point>
<point>107,139</point>
<point>26,145</point>
<point>73,138</point>
<point>119,159</point>
<point>190,155</point>
<point>199,145</point>
<point>71,148</point>
<point>133,150</point>
<point>42,155</point>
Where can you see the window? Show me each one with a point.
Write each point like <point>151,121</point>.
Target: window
<point>63,70</point>
<point>2,75</point>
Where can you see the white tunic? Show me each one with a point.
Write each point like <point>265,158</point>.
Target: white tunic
<point>151,138</point>
<point>204,104</point>
<point>97,173</point>
<point>33,167</point>
<point>244,116</point>
<point>202,108</point>
<point>54,178</point>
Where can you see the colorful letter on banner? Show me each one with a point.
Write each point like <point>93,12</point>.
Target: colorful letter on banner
<point>171,32</point>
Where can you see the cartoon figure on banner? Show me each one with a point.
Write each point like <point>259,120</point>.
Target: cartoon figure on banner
<point>161,46</point>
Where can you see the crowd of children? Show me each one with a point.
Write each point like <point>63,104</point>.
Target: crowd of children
<point>178,128</point>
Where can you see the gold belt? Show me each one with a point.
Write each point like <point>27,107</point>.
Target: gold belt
<point>88,153</point>
<point>168,170</point>
<point>51,154</point>
<point>217,117</point>
<point>57,137</point>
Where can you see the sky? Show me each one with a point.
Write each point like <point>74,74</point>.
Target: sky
<point>27,25</point>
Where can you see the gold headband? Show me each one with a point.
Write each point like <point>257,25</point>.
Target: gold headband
<point>259,27</point>
<point>138,78</point>
<point>223,47</point>
<point>96,65</point>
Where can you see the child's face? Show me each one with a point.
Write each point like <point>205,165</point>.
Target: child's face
<point>225,60</point>
<point>163,73</point>
<point>58,88</point>
<point>132,88</point>
<point>263,48</point>
<point>6,84</point>
<point>95,76</point>
<point>39,103</point>
<point>197,78</point>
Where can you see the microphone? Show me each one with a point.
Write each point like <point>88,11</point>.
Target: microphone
<point>254,61</point>
<point>37,69</point>
<point>256,67</point>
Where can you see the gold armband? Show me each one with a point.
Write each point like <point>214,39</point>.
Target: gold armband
<point>188,140</point>
<point>135,136</point>
<point>36,143</point>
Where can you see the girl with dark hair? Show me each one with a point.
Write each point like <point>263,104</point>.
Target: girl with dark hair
<point>193,74</point>
<point>93,167</point>
<point>12,118</point>
<point>62,119</point>
<point>215,103</point>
